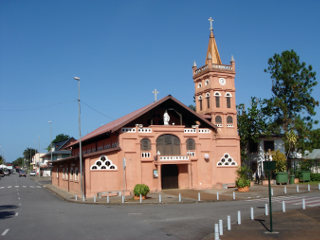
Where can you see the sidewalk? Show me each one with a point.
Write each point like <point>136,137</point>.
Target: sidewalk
<point>294,224</point>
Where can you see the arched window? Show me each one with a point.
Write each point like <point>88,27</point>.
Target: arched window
<point>199,85</point>
<point>229,120</point>
<point>228,99</point>
<point>217,97</point>
<point>218,119</point>
<point>191,144</point>
<point>208,99</point>
<point>206,83</point>
<point>145,144</point>
<point>168,145</point>
<point>200,102</point>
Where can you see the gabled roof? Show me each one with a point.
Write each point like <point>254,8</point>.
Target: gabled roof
<point>61,144</point>
<point>121,122</point>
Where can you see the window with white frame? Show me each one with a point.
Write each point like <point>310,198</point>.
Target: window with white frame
<point>217,97</point>
<point>228,99</point>
<point>71,174</point>
<point>199,85</point>
<point>227,161</point>
<point>208,99</point>
<point>57,172</point>
<point>206,83</point>
<point>200,102</point>
<point>103,163</point>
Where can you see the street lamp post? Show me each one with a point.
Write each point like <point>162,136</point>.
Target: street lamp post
<point>80,144</point>
<point>50,123</point>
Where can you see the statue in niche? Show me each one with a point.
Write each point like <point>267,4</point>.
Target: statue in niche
<point>166,118</point>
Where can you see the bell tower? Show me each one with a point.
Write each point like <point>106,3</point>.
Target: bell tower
<point>215,90</point>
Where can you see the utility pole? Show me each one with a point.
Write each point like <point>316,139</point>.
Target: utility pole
<point>80,144</point>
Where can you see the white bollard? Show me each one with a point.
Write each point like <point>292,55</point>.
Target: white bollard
<point>308,187</point>
<point>229,223</point>
<point>179,197</point>
<point>217,196</point>
<point>266,209</point>
<point>234,196</point>
<point>251,213</point>
<point>108,199</point>
<point>160,199</point>
<point>285,190</point>
<point>271,191</point>
<point>122,199</point>
<point>83,198</point>
<point>140,198</point>
<point>216,231</point>
<point>76,197</point>
<point>303,204</point>
<point>120,194</point>
<point>239,217</point>
<point>94,199</point>
<point>319,186</point>
<point>220,227</point>
<point>199,197</point>
<point>283,206</point>
<point>297,188</point>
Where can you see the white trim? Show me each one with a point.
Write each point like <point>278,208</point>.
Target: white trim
<point>207,95</point>
<point>226,161</point>
<point>173,158</point>
<point>104,164</point>
<point>200,97</point>
<point>206,82</point>
<point>217,94</point>
<point>228,94</point>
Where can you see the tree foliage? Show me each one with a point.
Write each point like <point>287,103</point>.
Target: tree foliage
<point>28,153</point>
<point>251,124</point>
<point>2,160</point>
<point>291,106</point>
<point>18,162</point>
<point>60,137</point>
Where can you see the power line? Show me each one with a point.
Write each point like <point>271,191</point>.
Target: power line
<point>97,111</point>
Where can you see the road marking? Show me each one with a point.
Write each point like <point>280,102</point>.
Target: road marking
<point>24,186</point>
<point>5,232</point>
<point>1,187</point>
<point>32,186</point>
<point>17,214</point>
<point>38,186</point>
<point>19,198</point>
<point>9,186</point>
<point>16,186</point>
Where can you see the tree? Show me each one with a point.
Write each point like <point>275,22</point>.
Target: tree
<point>60,137</point>
<point>28,153</point>
<point>2,161</point>
<point>18,162</point>
<point>291,106</point>
<point>251,125</point>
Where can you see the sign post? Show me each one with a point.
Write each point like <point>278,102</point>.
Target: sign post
<point>269,166</point>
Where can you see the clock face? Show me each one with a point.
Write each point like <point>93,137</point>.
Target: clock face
<point>222,81</point>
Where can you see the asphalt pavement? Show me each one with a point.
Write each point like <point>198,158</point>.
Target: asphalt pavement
<point>28,210</point>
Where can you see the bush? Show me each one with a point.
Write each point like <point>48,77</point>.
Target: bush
<point>141,189</point>
<point>241,182</point>
<point>315,177</point>
<point>281,161</point>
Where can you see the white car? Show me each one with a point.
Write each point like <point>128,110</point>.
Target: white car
<point>32,173</point>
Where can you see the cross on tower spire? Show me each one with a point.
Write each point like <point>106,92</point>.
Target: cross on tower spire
<point>155,92</point>
<point>210,20</point>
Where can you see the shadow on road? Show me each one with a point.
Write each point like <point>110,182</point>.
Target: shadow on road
<point>262,222</point>
<point>8,213</point>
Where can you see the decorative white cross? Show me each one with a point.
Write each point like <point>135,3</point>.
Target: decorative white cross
<point>155,92</point>
<point>210,20</point>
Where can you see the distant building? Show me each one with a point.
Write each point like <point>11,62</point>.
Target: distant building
<point>164,144</point>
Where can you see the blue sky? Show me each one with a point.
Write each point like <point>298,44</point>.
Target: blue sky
<point>122,50</point>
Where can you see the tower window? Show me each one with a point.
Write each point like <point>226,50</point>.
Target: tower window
<point>229,120</point>
<point>218,119</point>
<point>217,97</point>
<point>208,100</point>
<point>206,83</point>
<point>228,98</point>
<point>191,145</point>
<point>200,102</point>
<point>199,85</point>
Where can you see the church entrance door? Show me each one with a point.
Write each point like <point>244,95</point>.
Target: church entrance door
<point>169,176</point>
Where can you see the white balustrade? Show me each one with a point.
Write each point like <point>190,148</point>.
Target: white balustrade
<point>145,155</point>
<point>191,154</point>
<point>219,125</point>
<point>173,158</point>
<point>229,125</point>
<point>145,130</point>
<point>190,130</point>
<point>131,130</point>
<point>204,130</point>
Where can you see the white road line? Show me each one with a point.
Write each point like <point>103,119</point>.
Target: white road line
<point>1,187</point>
<point>17,214</point>
<point>9,187</point>
<point>24,186</point>
<point>38,186</point>
<point>313,205</point>
<point>32,186</point>
<point>5,232</point>
<point>16,186</point>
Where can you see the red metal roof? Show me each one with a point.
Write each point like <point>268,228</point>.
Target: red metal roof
<point>120,122</point>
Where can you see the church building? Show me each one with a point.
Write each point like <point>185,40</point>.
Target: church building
<point>164,144</point>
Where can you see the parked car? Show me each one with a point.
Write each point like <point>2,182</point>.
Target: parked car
<point>22,173</point>
<point>32,173</point>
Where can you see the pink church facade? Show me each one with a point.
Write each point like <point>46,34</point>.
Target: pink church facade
<point>164,144</point>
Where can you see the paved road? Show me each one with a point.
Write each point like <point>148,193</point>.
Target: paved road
<point>29,211</point>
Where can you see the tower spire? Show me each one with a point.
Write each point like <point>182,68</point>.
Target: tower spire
<point>212,46</point>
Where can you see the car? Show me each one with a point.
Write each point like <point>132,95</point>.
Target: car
<point>22,173</point>
<point>32,173</point>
